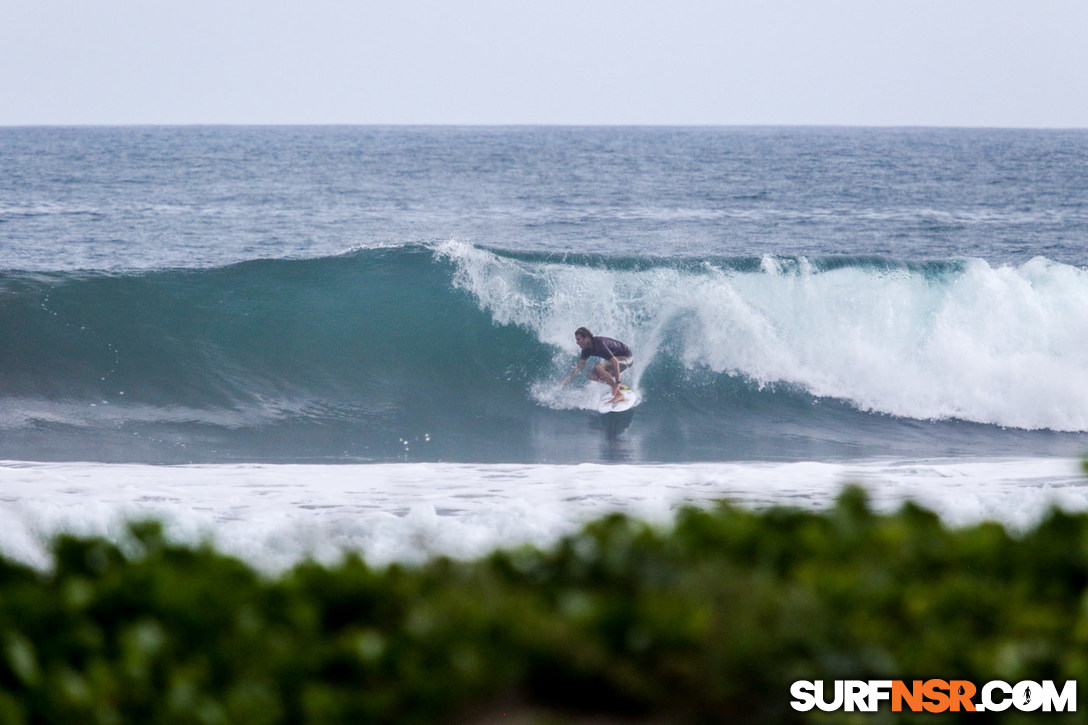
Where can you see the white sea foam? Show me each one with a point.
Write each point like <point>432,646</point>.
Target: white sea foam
<point>277,515</point>
<point>1005,345</point>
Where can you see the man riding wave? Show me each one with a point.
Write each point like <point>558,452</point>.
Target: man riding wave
<point>616,357</point>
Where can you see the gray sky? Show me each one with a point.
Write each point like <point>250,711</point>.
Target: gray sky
<point>1021,63</point>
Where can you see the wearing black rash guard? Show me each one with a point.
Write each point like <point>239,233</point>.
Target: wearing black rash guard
<point>606,348</point>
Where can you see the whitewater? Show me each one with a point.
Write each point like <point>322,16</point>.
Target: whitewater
<point>302,342</point>
<point>276,515</point>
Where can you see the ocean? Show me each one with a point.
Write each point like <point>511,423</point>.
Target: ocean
<point>298,341</point>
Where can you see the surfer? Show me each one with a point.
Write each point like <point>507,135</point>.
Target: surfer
<point>615,354</point>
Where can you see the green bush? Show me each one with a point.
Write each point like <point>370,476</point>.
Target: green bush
<point>708,621</point>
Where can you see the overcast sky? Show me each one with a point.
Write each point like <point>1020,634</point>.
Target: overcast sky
<point>1019,63</point>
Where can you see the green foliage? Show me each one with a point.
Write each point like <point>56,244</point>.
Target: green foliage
<point>709,621</point>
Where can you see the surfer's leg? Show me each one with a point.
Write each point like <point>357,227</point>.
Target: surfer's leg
<point>600,374</point>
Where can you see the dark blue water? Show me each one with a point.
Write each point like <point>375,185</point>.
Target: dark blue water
<point>346,294</point>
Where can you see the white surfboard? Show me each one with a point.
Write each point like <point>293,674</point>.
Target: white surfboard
<point>631,398</point>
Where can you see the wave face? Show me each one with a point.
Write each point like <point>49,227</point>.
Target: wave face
<point>453,352</point>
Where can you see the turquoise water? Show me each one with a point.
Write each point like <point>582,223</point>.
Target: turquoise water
<point>180,295</point>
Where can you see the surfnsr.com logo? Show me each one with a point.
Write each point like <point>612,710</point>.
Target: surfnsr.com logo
<point>934,696</point>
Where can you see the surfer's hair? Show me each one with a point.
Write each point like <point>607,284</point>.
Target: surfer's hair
<point>583,332</point>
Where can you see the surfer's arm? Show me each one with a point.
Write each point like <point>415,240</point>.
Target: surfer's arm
<point>615,363</point>
<point>577,369</point>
